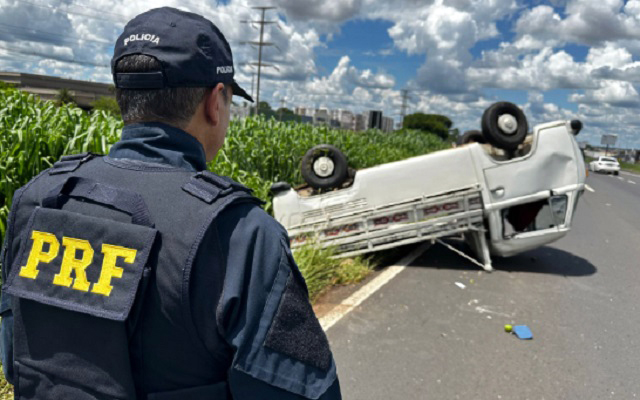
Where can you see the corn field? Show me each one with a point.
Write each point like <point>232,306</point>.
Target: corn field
<point>257,152</point>
<point>34,134</point>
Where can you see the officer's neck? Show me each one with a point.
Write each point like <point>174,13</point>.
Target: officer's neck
<point>157,142</point>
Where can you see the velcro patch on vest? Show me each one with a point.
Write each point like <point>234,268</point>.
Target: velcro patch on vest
<point>81,263</point>
<point>295,330</point>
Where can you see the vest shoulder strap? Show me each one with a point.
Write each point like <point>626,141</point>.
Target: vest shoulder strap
<point>70,163</point>
<point>209,187</point>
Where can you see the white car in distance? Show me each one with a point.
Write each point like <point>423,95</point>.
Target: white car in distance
<point>605,164</point>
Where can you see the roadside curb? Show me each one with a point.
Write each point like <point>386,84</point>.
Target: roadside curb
<point>353,301</point>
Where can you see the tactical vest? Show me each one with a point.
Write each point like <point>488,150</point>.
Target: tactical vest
<point>101,258</point>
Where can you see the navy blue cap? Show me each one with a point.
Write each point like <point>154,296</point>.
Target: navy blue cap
<point>192,50</point>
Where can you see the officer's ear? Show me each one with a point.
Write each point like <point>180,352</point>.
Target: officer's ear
<point>214,103</point>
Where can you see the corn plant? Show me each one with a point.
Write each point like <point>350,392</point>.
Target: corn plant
<point>34,134</point>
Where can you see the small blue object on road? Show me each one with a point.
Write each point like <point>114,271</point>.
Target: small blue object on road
<point>523,332</point>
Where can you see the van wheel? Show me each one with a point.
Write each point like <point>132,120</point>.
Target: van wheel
<point>472,137</point>
<point>324,167</point>
<point>504,125</point>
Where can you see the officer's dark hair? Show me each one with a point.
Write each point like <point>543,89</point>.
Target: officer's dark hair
<point>173,106</point>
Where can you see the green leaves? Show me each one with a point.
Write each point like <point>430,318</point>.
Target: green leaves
<point>34,134</point>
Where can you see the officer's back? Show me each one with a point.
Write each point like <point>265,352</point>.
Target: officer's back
<point>142,275</point>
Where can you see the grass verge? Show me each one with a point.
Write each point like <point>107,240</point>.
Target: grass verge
<point>630,167</point>
<point>321,271</point>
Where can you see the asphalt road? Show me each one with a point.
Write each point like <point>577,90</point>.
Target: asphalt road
<point>422,337</point>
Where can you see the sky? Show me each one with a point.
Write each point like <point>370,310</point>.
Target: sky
<point>556,59</point>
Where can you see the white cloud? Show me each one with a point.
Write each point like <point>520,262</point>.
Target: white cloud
<point>587,22</point>
<point>543,70</point>
<point>615,93</point>
<point>323,10</point>
<point>346,87</point>
<point>609,56</point>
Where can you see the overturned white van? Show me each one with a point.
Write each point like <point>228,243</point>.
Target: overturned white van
<point>517,192</point>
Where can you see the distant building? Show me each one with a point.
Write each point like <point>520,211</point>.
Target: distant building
<point>387,124</point>
<point>361,122</point>
<point>240,112</point>
<point>374,120</point>
<point>629,156</point>
<point>47,87</point>
<point>303,111</point>
<point>321,117</point>
<point>346,119</point>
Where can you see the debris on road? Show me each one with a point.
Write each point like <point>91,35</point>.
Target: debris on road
<point>521,331</point>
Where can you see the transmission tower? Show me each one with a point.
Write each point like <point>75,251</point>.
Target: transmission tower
<point>260,44</point>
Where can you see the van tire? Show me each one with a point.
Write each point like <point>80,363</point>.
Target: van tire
<point>319,172</point>
<point>493,129</point>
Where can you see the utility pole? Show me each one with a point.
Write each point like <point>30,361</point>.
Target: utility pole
<point>253,78</point>
<point>261,43</point>
<point>282,104</point>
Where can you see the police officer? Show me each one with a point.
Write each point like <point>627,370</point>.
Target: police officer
<point>141,275</point>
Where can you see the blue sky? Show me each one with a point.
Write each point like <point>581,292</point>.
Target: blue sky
<point>557,59</point>
<point>368,44</point>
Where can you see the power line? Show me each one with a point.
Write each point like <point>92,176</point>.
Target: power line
<point>41,35</point>
<point>260,44</point>
<point>53,57</point>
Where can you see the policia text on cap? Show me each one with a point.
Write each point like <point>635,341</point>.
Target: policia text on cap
<point>140,274</point>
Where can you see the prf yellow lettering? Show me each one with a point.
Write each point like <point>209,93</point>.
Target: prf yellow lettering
<point>71,263</point>
<point>38,255</point>
<point>109,268</point>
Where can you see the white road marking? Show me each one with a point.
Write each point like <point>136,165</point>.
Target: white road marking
<point>631,182</point>
<point>589,188</point>
<point>353,301</point>
<point>621,178</point>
